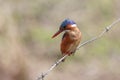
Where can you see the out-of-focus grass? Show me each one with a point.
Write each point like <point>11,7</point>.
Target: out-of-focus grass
<point>42,35</point>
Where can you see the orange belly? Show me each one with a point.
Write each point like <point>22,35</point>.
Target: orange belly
<point>68,45</point>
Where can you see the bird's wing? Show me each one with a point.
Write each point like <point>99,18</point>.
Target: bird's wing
<point>65,34</point>
<point>66,43</point>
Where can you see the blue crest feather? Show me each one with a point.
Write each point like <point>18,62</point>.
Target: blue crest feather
<point>67,22</point>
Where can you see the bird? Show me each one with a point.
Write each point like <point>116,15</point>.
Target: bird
<point>71,38</point>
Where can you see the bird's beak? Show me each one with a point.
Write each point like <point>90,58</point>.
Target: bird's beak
<point>57,33</point>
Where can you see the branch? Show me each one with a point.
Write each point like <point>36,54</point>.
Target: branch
<point>100,35</point>
<point>84,43</point>
<point>51,68</point>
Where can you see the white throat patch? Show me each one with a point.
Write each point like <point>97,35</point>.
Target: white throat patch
<point>73,25</point>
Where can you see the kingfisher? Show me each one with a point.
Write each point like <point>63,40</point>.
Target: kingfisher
<point>71,38</point>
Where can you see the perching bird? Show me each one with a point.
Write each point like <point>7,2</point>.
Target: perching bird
<point>71,37</point>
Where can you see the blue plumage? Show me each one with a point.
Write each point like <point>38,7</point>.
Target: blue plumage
<point>67,22</point>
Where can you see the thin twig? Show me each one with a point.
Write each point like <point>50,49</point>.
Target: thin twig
<point>100,35</point>
<point>84,43</point>
<point>51,68</point>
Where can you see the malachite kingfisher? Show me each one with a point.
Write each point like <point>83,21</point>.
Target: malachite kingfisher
<point>71,38</point>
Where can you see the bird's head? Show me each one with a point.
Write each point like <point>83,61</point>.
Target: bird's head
<point>67,24</point>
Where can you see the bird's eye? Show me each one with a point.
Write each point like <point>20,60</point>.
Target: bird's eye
<point>64,26</point>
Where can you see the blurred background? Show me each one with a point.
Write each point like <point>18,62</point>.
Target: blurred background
<point>27,50</point>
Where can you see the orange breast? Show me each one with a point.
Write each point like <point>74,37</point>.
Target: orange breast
<point>69,45</point>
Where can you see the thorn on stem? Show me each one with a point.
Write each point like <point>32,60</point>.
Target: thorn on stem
<point>41,77</point>
<point>63,60</point>
<point>107,29</point>
<point>56,63</point>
